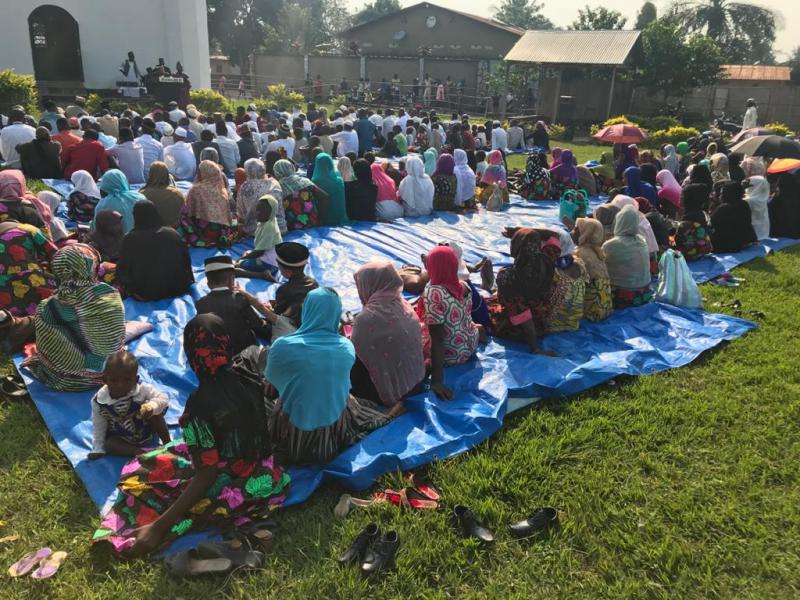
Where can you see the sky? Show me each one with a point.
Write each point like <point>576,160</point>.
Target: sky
<point>563,12</point>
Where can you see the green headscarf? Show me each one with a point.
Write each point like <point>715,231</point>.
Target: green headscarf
<point>290,181</point>
<point>268,234</point>
<point>606,167</point>
<point>431,156</point>
<point>682,148</point>
<point>330,181</point>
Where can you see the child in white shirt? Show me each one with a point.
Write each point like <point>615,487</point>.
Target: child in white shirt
<point>126,413</point>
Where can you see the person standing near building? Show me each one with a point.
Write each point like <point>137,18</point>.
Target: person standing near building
<point>750,115</point>
<point>222,82</point>
<point>242,89</point>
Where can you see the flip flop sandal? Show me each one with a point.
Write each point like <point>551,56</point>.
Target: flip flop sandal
<point>259,534</point>
<point>50,565</point>
<point>247,559</point>
<point>13,389</point>
<point>26,564</point>
<point>423,486</point>
<point>393,496</point>
<point>419,502</point>
<point>189,564</point>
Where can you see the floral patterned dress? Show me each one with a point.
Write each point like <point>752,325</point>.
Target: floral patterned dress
<point>693,240</point>
<point>597,300</point>
<point>440,307</point>
<point>24,282</point>
<point>153,481</point>
<point>565,300</point>
<point>300,209</point>
<point>444,196</point>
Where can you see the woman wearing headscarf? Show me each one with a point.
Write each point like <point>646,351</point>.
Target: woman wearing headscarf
<point>154,262</point>
<point>648,173</point>
<point>444,183</point>
<point>118,197</point>
<point>645,229</point>
<point>106,237</point>
<point>659,225</point>
<point>634,186</point>
<point>206,219</point>
<point>79,326</point>
<point>784,209</point>
<point>541,138</point>
<point>701,174</point>
<point>361,193</point>
<point>345,168</point>
<point>431,156</point>
<point>754,166</point>
<point>83,199</point>
<point>563,176</point>
<point>327,178</point>
<point>597,299</point>
<point>17,203</point>
<point>55,225</point>
<point>604,173</point>
<point>731,222</point>
<point>315,416</point>
<point>519,310</point>
<point>387,206</point>
<point>692,238</point>
<point>556,157</point>
<point>669,194</point>
<point>220,474</point>
<point>393,173</point>
<point>586,180</point>
<point>40,158</point>
<point>300,197</point>
<point>605,214</point>
<point>239,177</point>
<point>735,167</point>
<point>161,191</point>
<point>387,337</point>
<point>446,308</point>
<point>494,175</point>
<point>671,161</point>
<point>536,181</point>
<point>628,158</point>
<point>416,190</point>
<point>628,261</point>
<point>757,198</point>
<point>465,180</point>
<point>256,186</point>
<point>25,280</point>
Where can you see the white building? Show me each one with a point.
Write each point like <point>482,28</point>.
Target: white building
<point>86,41</point>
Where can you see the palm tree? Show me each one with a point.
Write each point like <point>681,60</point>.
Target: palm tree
<point>744,32</point>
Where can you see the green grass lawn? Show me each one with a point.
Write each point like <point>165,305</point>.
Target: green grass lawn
<point>682,484</point>
<point>583,153</point>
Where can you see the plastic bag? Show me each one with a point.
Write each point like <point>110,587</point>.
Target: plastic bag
<point>496,200</point>
<point>676,285</point>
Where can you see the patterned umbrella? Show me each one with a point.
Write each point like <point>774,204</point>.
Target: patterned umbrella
<point>621,134</point>
<point>772,146</point>
<point>784,165</point>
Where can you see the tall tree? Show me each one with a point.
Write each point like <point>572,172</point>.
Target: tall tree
<point>744,32</point>
<point>674,62</point>
<point>523,13</point>
<point>647,14</point>
<point>794,63</point>
<point>375,10</point>
<point>599,18</point>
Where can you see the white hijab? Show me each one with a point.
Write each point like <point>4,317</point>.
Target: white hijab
<point>416,189</point>
<point>345,168</point>
<point>621,201</point>
<point>85,184</point>
<point>671,161</point>
<point>465,178</point>
<point>58,230</point>
<point>757,196</point>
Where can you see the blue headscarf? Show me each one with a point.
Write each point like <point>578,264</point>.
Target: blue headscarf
<point>328,178</point>
<point>119,197</point>
<point>431,155</point>
<point>311,367</point>
<point>637,188</point>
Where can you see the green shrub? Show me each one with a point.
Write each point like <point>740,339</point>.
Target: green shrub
<point>557,132</point>
<point>17,89</point>
<point>93,104</point>
<point>617,120</point>
<point>673,135</point>
<point>337,101</point>
<point>209,101</point>
<point>281,95</point>
<point>779,128</point>
<point>659,123</point>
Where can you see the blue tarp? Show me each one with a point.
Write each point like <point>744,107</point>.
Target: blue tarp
<point>636,341</point>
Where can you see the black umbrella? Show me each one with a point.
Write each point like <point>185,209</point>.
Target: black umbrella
<point>771,146</point>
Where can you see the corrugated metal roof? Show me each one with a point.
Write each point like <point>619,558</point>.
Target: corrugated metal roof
<point>491,22</point>
<point>757,72</point>
<point>574,47</point>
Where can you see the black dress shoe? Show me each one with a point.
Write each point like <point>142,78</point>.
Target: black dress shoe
<point>381,557</point>
<point>470,526</point>
<point>357,550</point>
<point>540,521</point>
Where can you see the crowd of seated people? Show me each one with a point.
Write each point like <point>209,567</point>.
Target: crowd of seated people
<point>287,382</point>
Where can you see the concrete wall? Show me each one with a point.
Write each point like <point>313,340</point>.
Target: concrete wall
<point>453,36</point>
<point>173,29</point>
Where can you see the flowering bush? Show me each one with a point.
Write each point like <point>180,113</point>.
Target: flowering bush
<point>673,135</point>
